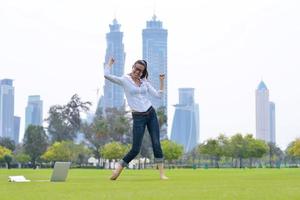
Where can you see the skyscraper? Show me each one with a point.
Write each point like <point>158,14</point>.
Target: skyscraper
<point>34,111</point>
<point>272,122</point>
<point>185,128</point>
<point>155,53</point>
<point>265,114</point>
<point>113,93</point>
<point>16,135</point>
<point>7,108</point>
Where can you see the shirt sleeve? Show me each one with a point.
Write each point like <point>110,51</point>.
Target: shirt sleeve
<point>153,91</point>
<point>115,79</point>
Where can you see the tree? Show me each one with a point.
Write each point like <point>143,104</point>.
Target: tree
<point>162,121</point>
<point>172,151</point>
<point>8,159</point>
<point>238,148</point>
<point>5,155</point>
<point>212,149</point>
<point>35,142</point>
<point>118,123</point>
<point>274,152</point>
<point>294,148</point>
<point>22,158</point>
<point>254,148</point>
<point>8,143</point>
<point>97,134</point>
<point>114,150</point>
<point>64,151</point>
<point>64,121</point>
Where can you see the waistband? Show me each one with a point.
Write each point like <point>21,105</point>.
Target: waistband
<point>143,113</point>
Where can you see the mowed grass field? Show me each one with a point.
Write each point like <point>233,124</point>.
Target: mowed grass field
<point>184,184</point>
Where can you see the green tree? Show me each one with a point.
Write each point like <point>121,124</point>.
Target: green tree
<point>162,121</point>
<point>5,155</point>
<point>211,148</point>
<point>254,148</point>
<point>274,153</point>
<point>64,151</point>
<point>118,123</point>
<point>35,142</point>
<point>114,150</point>
<point>22,158</point>
<point>64,121</point>
<point>294,148</point>
<point>172,151</point>
<point>238,148</point>
<point>8,143</point>
<point>8,159</point>
<point>97,135</point>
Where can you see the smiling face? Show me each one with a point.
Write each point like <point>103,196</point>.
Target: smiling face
<point>137,70</point>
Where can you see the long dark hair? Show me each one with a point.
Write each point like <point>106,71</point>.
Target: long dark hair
<point>144,63</point>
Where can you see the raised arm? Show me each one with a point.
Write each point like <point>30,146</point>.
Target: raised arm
<point>107,74</point>
<point>153,91</point>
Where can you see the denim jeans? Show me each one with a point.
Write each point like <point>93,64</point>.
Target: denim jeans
<point>140,121</point>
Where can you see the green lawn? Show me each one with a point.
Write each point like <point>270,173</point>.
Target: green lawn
<point>184,184</point>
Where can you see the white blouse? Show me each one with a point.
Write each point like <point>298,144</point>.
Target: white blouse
<point>137,96</point>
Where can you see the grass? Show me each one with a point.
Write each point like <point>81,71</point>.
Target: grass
<point>184,184</point>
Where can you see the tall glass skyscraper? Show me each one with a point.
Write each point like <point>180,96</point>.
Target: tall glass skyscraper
<point>272,122</point>
<point>34,111</point>
<point>265,114</point>
<point>155,53</point>
<point>113,93</point>
<point>185,128</point>
<point>16,136</point>
<point>7,108</point>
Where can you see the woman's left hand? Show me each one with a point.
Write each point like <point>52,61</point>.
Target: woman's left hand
<point>161,77</point>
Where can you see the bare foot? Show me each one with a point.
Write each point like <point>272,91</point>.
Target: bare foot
<point>163,177</point>
<point>116,173</point>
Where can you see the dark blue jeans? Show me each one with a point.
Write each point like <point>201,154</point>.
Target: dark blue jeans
<point>140,121</point>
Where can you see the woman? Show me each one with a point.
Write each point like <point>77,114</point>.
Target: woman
<point>137,88</point>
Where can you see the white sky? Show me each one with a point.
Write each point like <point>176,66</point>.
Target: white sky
<point>55,48</point>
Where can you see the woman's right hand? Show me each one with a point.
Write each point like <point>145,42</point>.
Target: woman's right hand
<point>111,61</point>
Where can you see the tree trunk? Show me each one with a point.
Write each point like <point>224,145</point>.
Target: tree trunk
<point>33,164</point>
<point>241,162</point>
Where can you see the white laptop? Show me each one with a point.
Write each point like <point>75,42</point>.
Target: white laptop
<point>60,171</point>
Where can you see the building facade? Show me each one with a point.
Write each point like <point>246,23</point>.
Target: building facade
<point>265,115</point>
<point>155,52</point>
<point>34,111</point>
<point>7,121</point>
<point>113,96</point>
<point>185,127</point>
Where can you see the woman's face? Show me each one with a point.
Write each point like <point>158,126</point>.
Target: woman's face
<point>137,70</point>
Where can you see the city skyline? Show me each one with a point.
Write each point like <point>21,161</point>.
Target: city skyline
<point>222,49</point>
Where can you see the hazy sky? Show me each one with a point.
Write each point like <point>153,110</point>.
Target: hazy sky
<point>223,49</point>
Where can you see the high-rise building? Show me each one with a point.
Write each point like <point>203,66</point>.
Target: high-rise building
<point>16,135</point>
<point>265,114</point>
<point>272,122</point>
<point>7,108</point>
<point>155,48</point>
<point>34,111</point>
<point>113,93</point>
<point>185,128</point>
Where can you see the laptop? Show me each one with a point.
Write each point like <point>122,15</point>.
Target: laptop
<point>60,171</point>
<point>59,174</point>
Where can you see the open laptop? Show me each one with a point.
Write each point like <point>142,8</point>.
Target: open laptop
<point>59,174</point>
<point>60,171</point>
